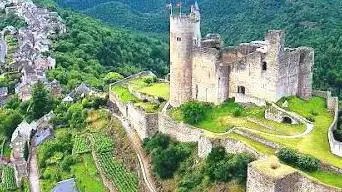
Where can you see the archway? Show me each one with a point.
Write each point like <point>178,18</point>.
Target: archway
<point>287,120</point>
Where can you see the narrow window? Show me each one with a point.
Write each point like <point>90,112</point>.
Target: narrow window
<point>179,39</point>
<point>241,89</point>
<point>264,66</point>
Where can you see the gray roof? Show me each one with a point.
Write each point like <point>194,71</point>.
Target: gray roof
<point>3,91</point>
<point>41,136</point>
<point>68,185</point>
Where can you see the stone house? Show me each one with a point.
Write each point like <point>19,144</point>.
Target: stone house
<point>24,91</point>
<point>20,136</point>
<point>258,72</point>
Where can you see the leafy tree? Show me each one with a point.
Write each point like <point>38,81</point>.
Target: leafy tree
<point>26,151</point>
<point>193,111</point>
<point>41,102</point>
<point>76,116</point>
<point>10,119</point>
<point>112,77</point>
<point>166,155</point>
<point>158,141</point>
<point>224,167</point>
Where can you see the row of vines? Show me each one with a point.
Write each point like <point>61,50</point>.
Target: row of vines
<point>123,179</point>
<point>8,182</point>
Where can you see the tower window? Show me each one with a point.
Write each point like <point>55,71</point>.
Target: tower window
<point>241,89</point>
<point>264,66</point>
<point>179,39</point>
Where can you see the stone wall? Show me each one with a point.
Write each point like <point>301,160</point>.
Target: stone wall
<point>279,115</point>
<point>210,78</point>
<point>205,145</point>
<point>272,176</point>
<point>134,76</point>
<point>145,124</point>
<point>332,104</point>
<point>178,130</point>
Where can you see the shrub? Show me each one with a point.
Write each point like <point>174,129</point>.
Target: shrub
<point>166,154</point>
<point>150,80</point>
<point>313,112</point>
<point>223,167</point>
<point>193,111</point>
<point>287,155</point>
<point>237,112</point>
<point>157,141</point>
<point>310,118</point>
<point>308,163</point>
<point>302,161</point>
<point>161,99</point>
<point>338,134</point>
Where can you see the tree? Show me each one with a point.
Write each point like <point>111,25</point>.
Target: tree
<point>10,119</point>
<point>112,77</point>
<point>41,102</point>
<point>26,151</point>
<point>193,111</point>
<point>76,116</point>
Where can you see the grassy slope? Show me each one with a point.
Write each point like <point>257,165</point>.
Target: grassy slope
<point>316,143</point>
<point>221,118</point>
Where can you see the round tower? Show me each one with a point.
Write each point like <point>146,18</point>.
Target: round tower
<point>183,37</point>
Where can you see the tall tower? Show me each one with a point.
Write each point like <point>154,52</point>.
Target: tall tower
<point>184,35</point>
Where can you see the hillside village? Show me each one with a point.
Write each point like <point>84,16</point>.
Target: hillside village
<point>233,102</point>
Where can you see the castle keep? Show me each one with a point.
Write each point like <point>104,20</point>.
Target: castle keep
<point>258,72</point>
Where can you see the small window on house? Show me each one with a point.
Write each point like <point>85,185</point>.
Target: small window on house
<point>179,39</point>
<point>264,66</point>
<point>241,89</point>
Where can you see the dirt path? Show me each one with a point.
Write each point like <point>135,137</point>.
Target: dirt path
<point>34,172</point>
<point>143,160</point>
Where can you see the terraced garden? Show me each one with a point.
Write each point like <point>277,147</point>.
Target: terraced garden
<point>222,118</point>
<point>114,170</point>
<point>146,85</point>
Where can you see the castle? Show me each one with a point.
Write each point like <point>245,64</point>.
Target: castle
<point>258,72</point>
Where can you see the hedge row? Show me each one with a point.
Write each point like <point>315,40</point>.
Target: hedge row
<point>302,161</point>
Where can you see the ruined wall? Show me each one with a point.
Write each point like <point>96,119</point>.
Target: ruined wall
<point>332,103</point>
<point>205,145</point>
<point>210,78</point>
<point>270,71</point>
<point>257,69</point>
<point>145,124</point>
<point>182,32</point>
<point>305,79</point>
<point>262,178</point>
<point>178,130</point>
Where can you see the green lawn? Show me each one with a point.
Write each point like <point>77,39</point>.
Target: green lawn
<point>316,143</point>
<point>157,89</point>
<point>124,94</point>
<point>220,119</point>
<point>256,145</point>
<point>328,178</point>
<point>87,176</point>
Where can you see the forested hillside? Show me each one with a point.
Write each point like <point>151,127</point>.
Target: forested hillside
<point>90,50</point>
<point>316,23</point>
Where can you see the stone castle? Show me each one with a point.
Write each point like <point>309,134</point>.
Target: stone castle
<point>258,72</point>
